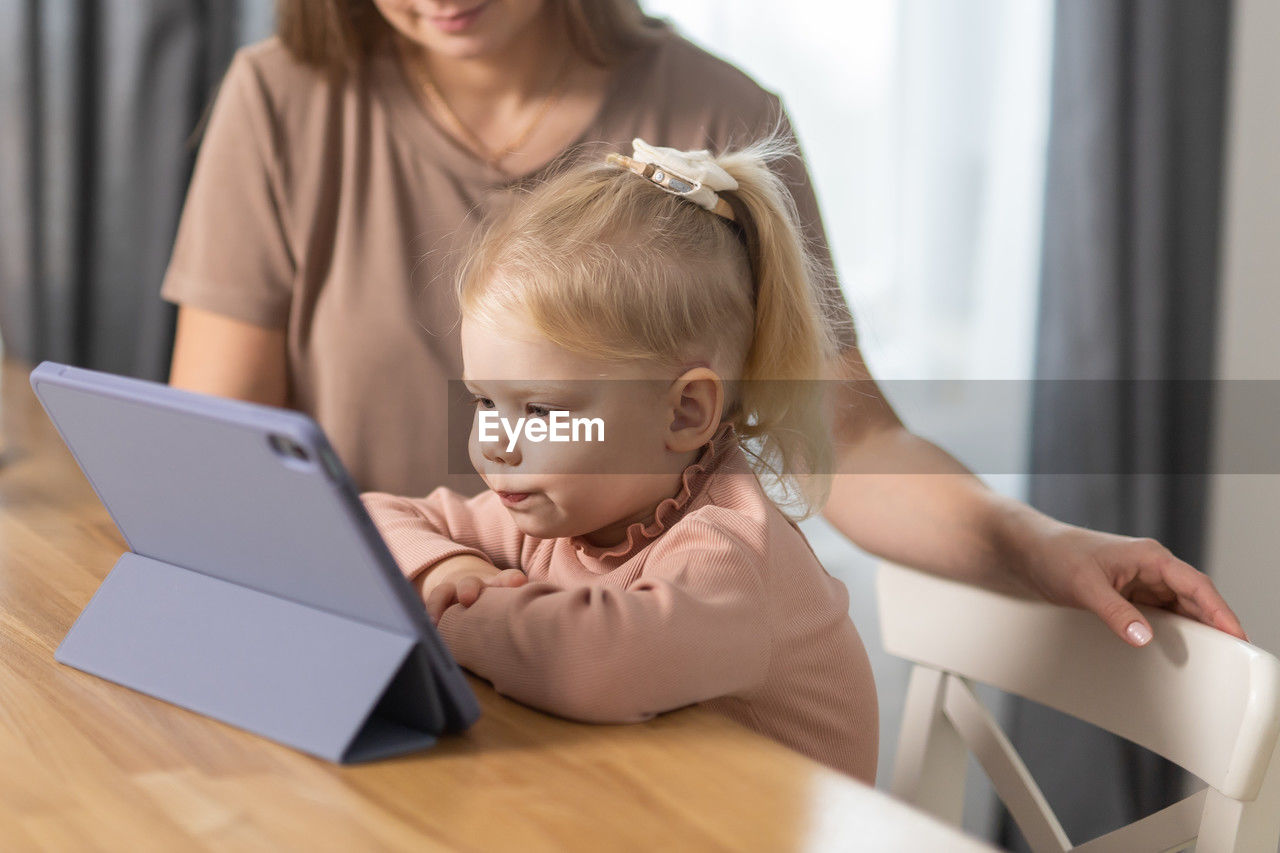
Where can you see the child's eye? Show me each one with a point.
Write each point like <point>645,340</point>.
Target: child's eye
<point>538,411</point>
<point>482,402</point>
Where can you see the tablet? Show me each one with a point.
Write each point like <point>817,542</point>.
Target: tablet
<point>256,589</point>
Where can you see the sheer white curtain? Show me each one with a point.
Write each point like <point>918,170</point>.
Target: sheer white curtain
<point>924,124</point>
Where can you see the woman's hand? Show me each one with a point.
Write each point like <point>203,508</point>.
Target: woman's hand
<point>466,590</point>
<point>1107,574</point>
<point>907,500</point>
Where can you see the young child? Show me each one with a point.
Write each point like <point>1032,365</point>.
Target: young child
<point>670,297</point>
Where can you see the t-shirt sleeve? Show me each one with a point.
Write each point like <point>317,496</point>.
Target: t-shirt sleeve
<point>689,629</point>
<point>232,254</point>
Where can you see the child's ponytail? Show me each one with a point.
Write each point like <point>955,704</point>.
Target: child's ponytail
<point>780,402</point>
<point>607,264</point>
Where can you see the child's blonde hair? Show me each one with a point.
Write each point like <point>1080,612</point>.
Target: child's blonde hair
<point>604,263</point>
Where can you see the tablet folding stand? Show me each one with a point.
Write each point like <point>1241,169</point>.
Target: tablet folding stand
<point>326,684</point>
<point>256,589</point>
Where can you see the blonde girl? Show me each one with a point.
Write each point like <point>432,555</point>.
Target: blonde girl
<point>669,297</point>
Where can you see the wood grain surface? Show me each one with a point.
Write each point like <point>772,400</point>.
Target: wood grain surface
<point>89,765</point>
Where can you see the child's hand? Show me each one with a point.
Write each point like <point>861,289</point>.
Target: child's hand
<point>453,569</point>
<point>466,590</point>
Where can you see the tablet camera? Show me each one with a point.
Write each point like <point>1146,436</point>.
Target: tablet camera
<point>288,448</point>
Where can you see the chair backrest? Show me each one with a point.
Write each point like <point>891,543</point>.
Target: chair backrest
<point>1206,701</point>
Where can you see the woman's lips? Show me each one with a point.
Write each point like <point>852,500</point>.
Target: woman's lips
<point>459,21</point>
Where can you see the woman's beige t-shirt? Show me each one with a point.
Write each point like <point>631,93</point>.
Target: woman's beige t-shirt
<point>335,208</point>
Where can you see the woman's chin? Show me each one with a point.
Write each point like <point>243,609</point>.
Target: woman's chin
<point>438,44</point>
<point>469,47</point>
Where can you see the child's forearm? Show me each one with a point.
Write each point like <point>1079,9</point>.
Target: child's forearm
<point>610,656</point>
<point>423,532</point>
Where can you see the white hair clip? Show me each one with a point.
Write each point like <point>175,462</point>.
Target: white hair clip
<point>689,174</point>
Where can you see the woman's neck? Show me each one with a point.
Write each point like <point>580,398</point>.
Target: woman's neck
<point>518,108</point>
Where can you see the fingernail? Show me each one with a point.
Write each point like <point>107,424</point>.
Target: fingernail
<point>1138,633</point>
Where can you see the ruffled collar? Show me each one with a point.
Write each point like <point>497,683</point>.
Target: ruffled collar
<point>692,482</point>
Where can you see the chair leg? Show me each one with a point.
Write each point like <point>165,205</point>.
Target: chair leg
<point>930,765</point>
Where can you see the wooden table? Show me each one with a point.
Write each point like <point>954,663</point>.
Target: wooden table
<point>86,764</point>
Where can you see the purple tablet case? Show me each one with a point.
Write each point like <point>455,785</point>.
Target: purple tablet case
<point>256,589</point>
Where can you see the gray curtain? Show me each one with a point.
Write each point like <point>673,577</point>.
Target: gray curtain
<point>100,101</point>
<point>1126,332</point>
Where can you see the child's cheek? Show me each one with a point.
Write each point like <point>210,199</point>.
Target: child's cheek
<point>473,452</point>
<point>558,459</point>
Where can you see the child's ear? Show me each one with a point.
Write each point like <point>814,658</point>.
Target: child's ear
<point>696,399</point>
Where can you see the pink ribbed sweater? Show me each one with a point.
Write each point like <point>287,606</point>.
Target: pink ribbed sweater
<point>717,600</point>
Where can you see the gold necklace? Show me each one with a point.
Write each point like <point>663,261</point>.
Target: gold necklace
<point>493,159</point>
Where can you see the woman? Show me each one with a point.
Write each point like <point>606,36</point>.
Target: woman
<point>348,159</point>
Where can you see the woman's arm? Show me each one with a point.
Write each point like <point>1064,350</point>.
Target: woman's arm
<point>232,272</point>
<point>904,499</point>
<point>215,354</point>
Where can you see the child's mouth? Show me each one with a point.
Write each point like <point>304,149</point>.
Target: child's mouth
<point>513,498</point>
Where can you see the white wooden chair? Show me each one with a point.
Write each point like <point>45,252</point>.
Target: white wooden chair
<point>1202,699</point>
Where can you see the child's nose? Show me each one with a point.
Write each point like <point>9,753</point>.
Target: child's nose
<point>498,452</point>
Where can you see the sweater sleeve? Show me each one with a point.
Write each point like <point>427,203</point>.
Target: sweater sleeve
<point>693,627</point>
<point>420,532</point>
